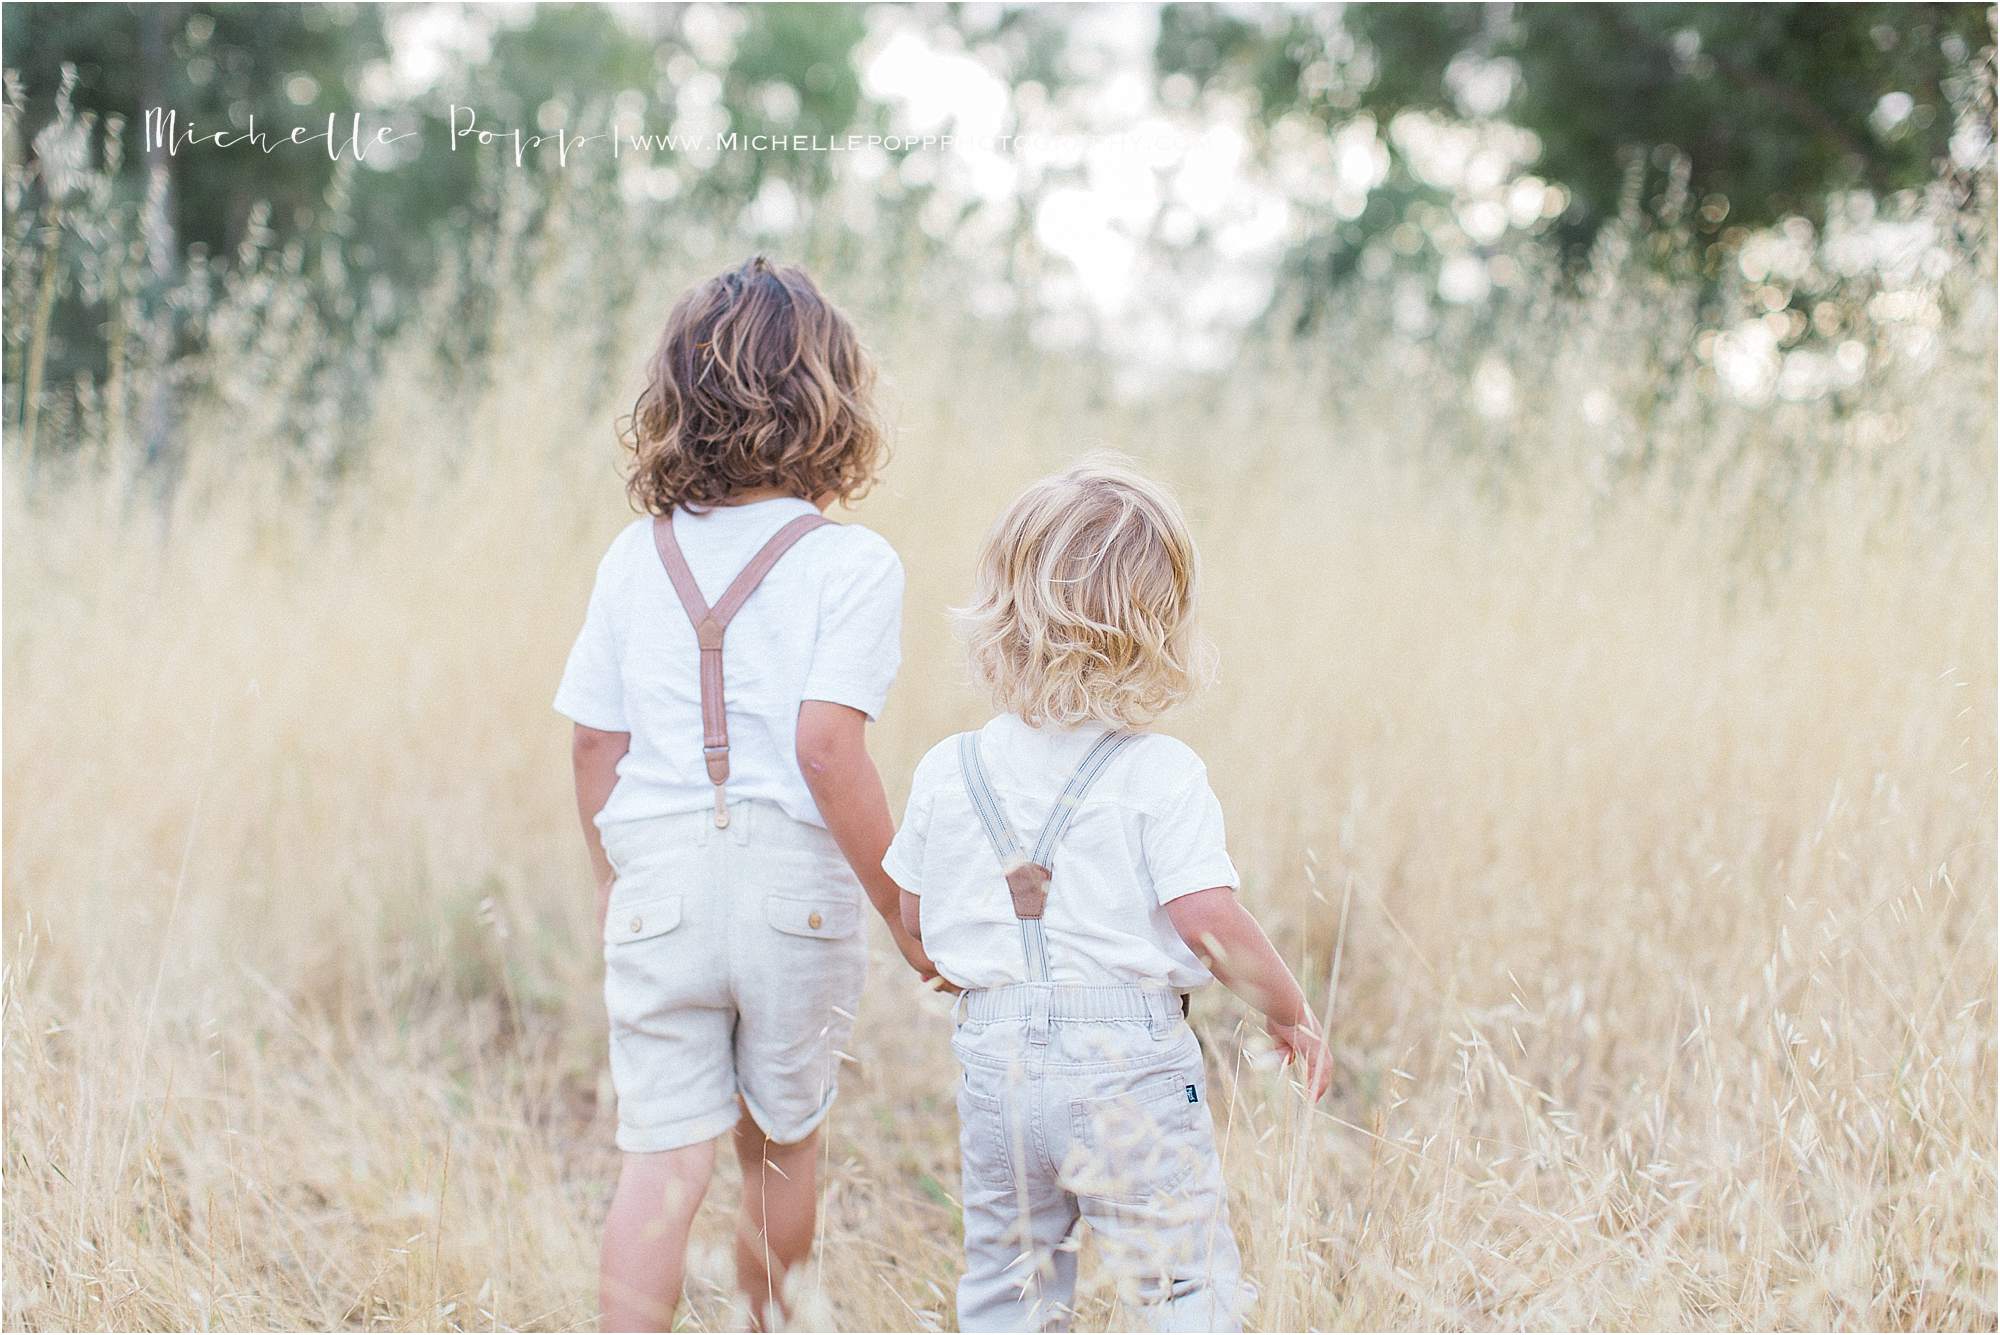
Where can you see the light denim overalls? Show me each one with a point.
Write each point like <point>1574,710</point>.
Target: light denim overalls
<point>1083,1103</point>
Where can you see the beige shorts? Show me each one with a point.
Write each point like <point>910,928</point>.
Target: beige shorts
<point>733,963</point>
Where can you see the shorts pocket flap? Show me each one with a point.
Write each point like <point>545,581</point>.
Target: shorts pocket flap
<point>642,919</point>
<point>827,919</point>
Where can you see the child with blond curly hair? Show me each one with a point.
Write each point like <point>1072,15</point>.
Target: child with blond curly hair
<point>1077,937</point>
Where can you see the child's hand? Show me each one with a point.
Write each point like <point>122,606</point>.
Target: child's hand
<point>919,959</point>
<point>1304,1044</point>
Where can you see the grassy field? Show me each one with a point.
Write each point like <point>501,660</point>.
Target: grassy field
<point>1618,770</point>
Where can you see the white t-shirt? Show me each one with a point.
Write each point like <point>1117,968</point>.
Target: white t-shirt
<point>825,624</point>
<point>1149,831</point>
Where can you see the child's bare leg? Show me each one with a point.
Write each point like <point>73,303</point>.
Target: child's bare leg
<point>646,1236</point>
<point>780,1199</point>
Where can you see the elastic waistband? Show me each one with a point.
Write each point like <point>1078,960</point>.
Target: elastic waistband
<point>1020,1002</point>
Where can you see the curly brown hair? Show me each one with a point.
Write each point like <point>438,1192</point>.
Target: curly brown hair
<point>759,381</point>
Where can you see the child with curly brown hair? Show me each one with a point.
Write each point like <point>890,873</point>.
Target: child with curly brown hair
<point>735,647</point>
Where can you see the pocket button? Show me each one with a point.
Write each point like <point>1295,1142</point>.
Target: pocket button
<point>814,922</point>
<point>637,923</point>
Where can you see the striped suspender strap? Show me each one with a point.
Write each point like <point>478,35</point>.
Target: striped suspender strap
<point>1092,765</point>
<point>986,804</point>
<point>710,623</point>
<point>1028,879</point>
<point>1027,884</point>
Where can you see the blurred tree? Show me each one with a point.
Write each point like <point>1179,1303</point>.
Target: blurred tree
<point>793,73</point>
<point>1771,108</point>
<point>217,65</point>
<point>422,217</point>
<point>1719,118</point>
<point>788,69</point>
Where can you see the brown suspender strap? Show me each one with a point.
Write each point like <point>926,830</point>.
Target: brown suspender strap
<point>710,623</point>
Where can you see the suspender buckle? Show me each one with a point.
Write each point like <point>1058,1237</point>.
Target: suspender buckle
<point>1039,1004</point>
<point>716,760</point>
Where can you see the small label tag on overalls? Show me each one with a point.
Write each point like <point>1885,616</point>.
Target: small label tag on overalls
<point>1192,1096</point>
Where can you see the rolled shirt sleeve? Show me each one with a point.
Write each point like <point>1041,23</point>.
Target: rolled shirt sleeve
<point>593,685</point>
<point>859,645</point>
<point>1184,845</point>
<point>904,861</point>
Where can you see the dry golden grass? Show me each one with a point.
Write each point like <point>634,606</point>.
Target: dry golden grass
<point>1650,820</point>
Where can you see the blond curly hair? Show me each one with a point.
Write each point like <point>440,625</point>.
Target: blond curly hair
<point>1084,603</point>
<point>759,381</point>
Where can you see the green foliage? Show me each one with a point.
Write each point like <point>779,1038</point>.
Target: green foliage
<point>792,73</point>
<point>1216,44</point>
<point>566,54</point>
<point>808,49</point>
<point>1772,107</point>
<point>218,65</point>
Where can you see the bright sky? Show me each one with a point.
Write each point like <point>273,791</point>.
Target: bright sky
<point>1114,173</point>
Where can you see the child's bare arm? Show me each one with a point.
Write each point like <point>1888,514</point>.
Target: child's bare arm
<point>833,757</point>
<point>594,756</point>
<point>911,909</point>
<point>1224,936</point>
